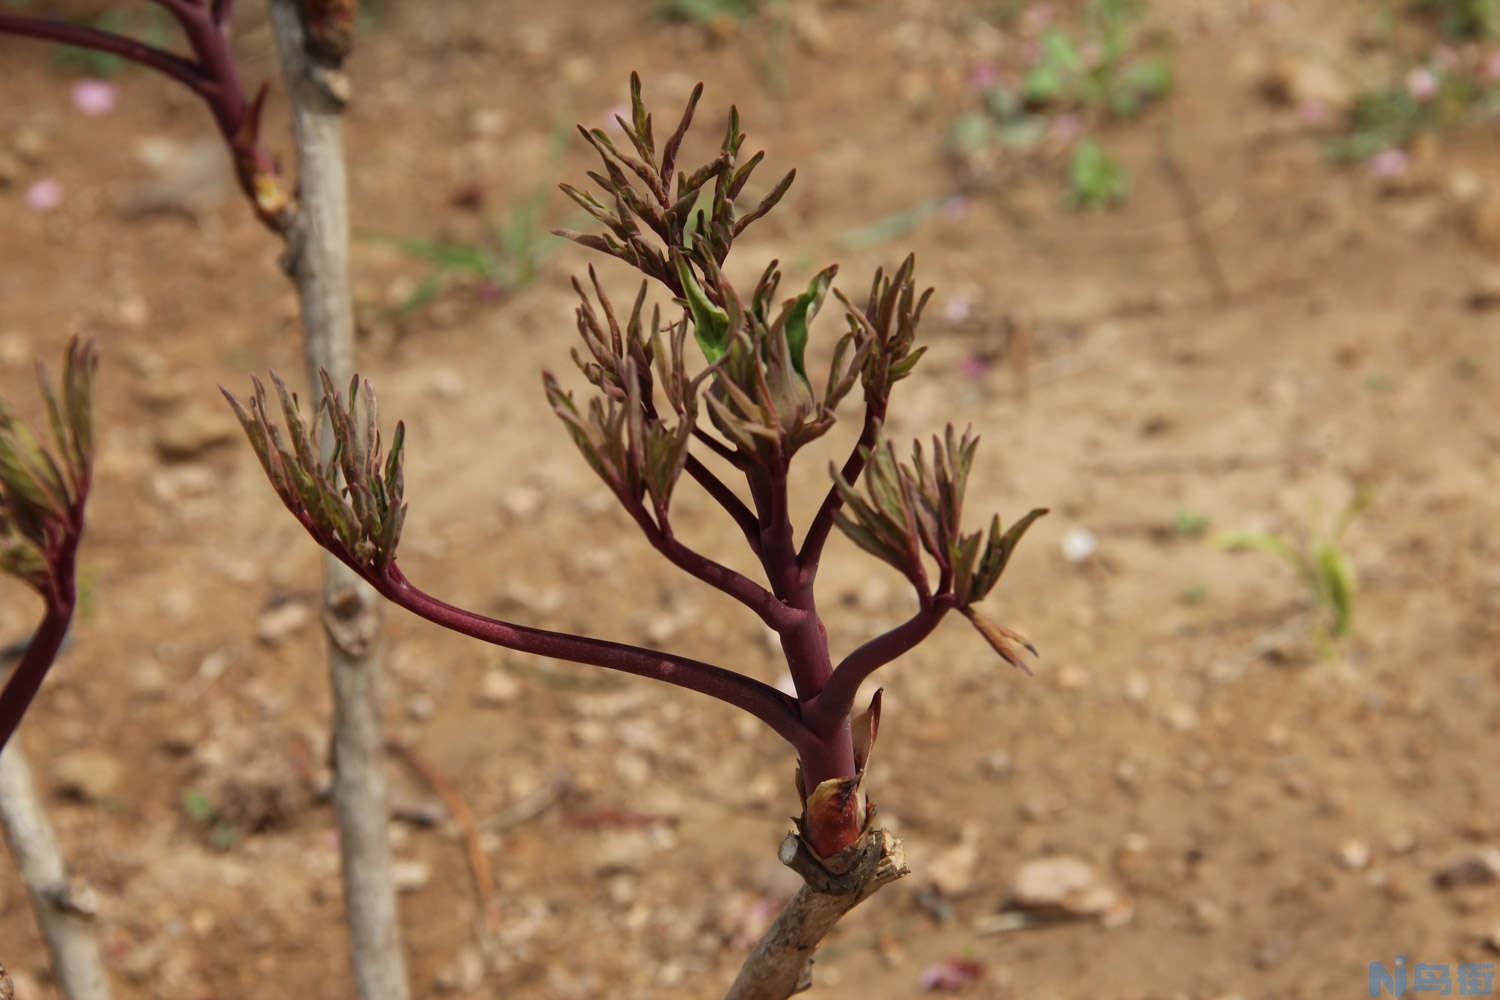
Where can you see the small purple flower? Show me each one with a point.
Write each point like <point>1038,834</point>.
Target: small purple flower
<point>957,309</point>
<point>95,97</point>
<point>44,195</point>
<point>1065,129</point>
<point>1038,17</point>
<point>1313,113</point>
<point>1389,163</point>
<point>610,114</point>
<point>974,366</point>
<point>983,76</point>
<point>951,975</point>
<point>1422,84</point>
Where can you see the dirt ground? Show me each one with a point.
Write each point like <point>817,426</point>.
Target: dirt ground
<point>1273,815</point>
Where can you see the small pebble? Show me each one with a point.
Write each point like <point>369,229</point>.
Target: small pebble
<point>1354,855</point>
<point>1078,544</point>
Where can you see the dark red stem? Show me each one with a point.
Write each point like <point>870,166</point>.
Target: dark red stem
<point>84,37</point>
<point>743,589</point>
<point>726,498</point>
<point>212,75</point>
<point>40,653</point>
<point>822,522</point>
<point>777,710</point>
<point>207,35</point>
<point>836,700</point>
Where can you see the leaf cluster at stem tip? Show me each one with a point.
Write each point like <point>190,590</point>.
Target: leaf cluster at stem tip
<point>352,500</point>
<point>917,507</point>
<point>755,389</point>
<point>42,489</point>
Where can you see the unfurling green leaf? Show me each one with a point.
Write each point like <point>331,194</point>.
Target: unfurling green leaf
<point>997,552</point>
<point>800,314</point>
<point>710,322</point>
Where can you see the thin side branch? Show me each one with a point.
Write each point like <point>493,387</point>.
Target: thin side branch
<point>781,963</point>
<point>84,37</point>
<point>833,704</point>
<point>822,522</point>
<point>777,710</point>
<point>726,498</point>
<point>737,585</point>
<point>463,817</point>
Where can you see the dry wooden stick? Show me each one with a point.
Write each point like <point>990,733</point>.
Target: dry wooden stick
<point>458,808</point>
<point>317,260</point>
<point>66,920</point>
<point>780,964</point>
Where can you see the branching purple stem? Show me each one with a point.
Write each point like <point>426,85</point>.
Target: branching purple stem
<point>777,710</point>
<point>40,653</point>
<point>211,74</point>
<point>726,498</point>
<point>834,703</point>
<point>182,70</point>
<point>822,522</point>
<point>743,589</point>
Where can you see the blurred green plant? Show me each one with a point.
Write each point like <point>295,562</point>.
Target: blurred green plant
<point>708,11</point>
<point>895,224</point>
<point>1319,560</point>
<point>1095,178</point>
<point>1463,18</point>
<point>506,259</point>
<point>1109,67</point>
<point>1189,524</point>
<point>1433,86</point>
<point>1393,117</point>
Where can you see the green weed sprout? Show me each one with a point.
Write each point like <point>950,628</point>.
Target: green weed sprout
<point>1319,560</point>
<point>1095,178</point>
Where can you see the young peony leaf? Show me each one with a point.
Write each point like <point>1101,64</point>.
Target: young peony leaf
<point>803,308</point>
<point>353,504</point>
<point>1000,639</point>
<point>710,322</point>
<point>997,552</point>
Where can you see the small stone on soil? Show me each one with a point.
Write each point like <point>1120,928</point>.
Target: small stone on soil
<point>86,775</point>
<point>409,876</point>
<point>1067,888</point>
<point>1354,855</point>
<point>1482,868</point>
<point>498,689</point>
<point>194,431</point>
<point>281,620</point>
